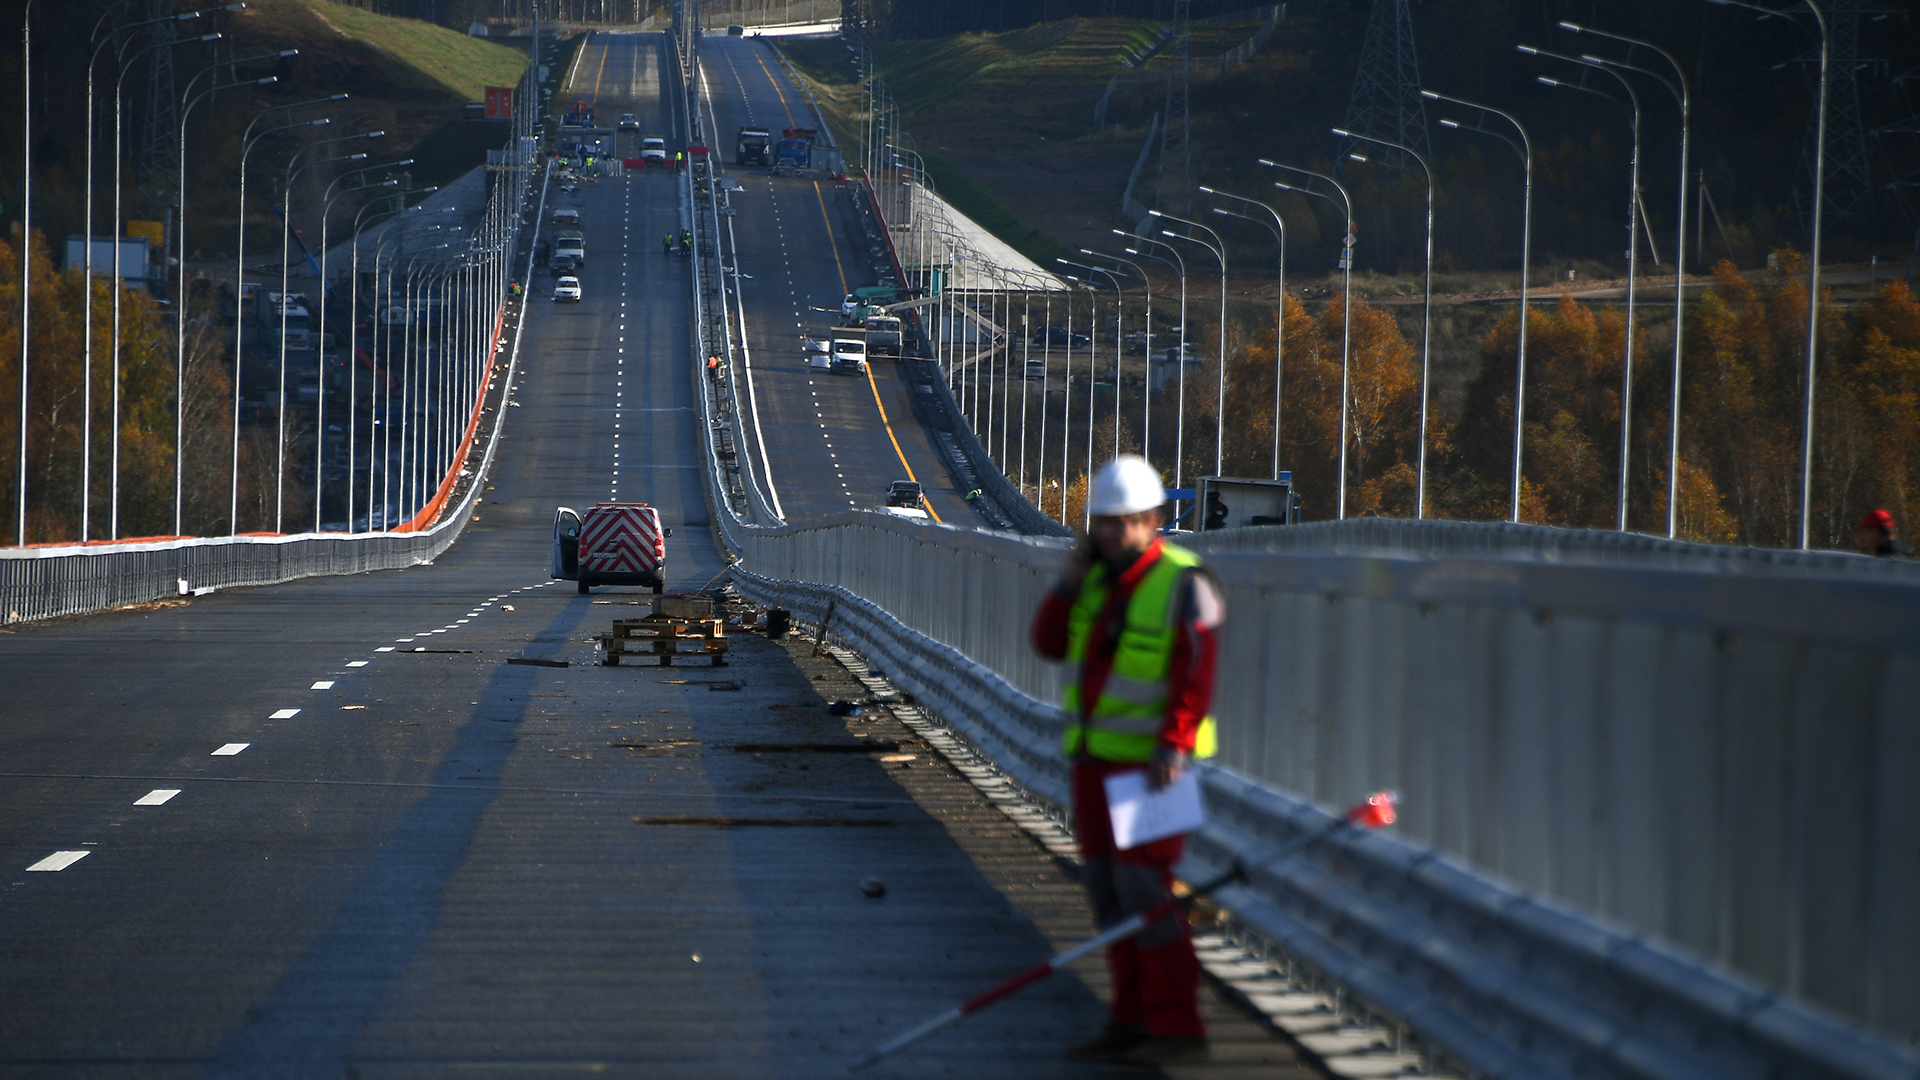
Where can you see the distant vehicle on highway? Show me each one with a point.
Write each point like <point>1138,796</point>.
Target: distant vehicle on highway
<point>867,301</point>
<point>1057,337</point>
<point>883,335</point>
<point>906,495</point>
<point>629,122</point>
<point>567,290</point>
<point>793,153</point>
<point>849,356</point>
<point>654,153</point>
<point>562,265</point>
<point>754,147</point>
<point>610,544</point>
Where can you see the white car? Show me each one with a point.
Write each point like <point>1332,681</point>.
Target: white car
<point>849,356</point>
<point>654,152</point>
<point>568,289</point>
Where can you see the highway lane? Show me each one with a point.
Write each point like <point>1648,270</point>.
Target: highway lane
<point>329,830</point>
<point>802,246</point>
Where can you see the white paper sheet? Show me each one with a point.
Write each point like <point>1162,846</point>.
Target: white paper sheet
<point>1141,816</point>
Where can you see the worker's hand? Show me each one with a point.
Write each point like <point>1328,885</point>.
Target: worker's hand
<point>1079,561</point>
<point>1166,767</point>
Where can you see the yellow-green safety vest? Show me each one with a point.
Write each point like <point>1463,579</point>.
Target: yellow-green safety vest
<point>1126,720</point>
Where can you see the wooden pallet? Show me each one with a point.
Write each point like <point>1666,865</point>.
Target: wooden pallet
<point>664,637</point>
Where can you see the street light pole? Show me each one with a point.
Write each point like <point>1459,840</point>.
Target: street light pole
<point>320,419</point>
<point>1146,386</point>
<point>1813,267</point>
<point>1279,230</point>
<point>26,243</point>
<point>1633,253</point>
<point>247,141</point>
<point>180,283</point>
<point>1172,258</point>
<point>1426,315</point>
<point>1525,149</point>
<point>286,222</point>
<point>1684,94</point>
<point>1219,250</point>
<point>1346,325</point>
<point>1120,314</point>
<point>86,367</point>
<point>118,88</point>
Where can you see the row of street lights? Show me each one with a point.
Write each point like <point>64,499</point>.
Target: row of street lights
<point>483,262</point>
<point>1487,120</point>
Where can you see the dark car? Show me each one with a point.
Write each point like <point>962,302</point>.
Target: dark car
<point>905,493</point>
<point>563,264</point>
<point>1057,337</point>
<point>629,122</point>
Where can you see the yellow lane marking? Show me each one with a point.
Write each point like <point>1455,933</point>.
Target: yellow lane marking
<point>601,70</point>
<point>776,88</point>
<point>896,442</point>
<point>834,246</point>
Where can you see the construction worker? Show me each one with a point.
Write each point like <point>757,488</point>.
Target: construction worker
<point>666,245</point>
<point>1138,619</point>
<point>1881,535</point>
<point>686,241</point>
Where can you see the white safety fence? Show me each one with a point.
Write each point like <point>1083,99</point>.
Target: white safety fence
<point>1647,786</point>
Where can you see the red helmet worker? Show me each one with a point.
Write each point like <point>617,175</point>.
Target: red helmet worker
<point>1879,532</point>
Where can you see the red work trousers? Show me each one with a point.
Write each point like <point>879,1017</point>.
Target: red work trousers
<point>1156,976</point>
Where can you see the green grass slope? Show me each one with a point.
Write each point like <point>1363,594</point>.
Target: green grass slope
<point>435,56</point>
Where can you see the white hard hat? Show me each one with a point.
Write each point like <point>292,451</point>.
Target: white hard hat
<point>1125,485</point>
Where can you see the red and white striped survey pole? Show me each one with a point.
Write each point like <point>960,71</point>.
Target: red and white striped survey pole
<point>1376,812</point>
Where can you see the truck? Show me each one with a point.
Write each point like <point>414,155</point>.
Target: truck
<point>1227,502</point>
<point>883,335</point>
<point>866,301</point>
<point>849,352</point>
<point>612,543</point>
<point>792,154</point>
<point>753,147</point>
<point>570,242</point>
<point>269,309</point>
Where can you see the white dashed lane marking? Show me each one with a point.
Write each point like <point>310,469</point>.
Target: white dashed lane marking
<point>59,860</point>
<point>323,684</point>
<point>156,797</point>
<point>284,714</point>
<point>230,749</point>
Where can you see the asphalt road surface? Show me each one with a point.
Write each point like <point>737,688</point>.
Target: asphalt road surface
<point>327,829</point>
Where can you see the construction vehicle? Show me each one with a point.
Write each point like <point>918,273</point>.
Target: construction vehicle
<point>581,115</point>
<point>754,146</point>
<point>883,335</point>
<point>612,543</point>
<point>272,311</point>
<point>792,154</point>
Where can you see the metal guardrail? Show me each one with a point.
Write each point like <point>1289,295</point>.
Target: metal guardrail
<point>1325,699</point>
<point>1502,982</point>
